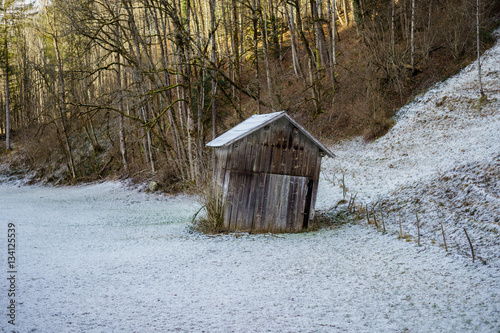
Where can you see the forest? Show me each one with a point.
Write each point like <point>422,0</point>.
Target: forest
<point>93,89</point>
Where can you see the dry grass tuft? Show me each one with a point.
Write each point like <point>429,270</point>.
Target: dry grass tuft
<point>377,128</point>
<point>334,218</point>
<point>213,207</point>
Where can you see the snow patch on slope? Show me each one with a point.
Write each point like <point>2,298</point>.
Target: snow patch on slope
<point>439,160</point>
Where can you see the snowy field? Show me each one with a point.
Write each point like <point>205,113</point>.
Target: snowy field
<point>101,258</point>
<point>441,161</point>
<point>104,258</point>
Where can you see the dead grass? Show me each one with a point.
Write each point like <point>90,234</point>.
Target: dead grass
<point>378,126</point>
<point>334,218</point>
<point>212,209</point>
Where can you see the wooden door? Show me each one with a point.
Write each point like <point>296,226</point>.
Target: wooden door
<point>267,202</point>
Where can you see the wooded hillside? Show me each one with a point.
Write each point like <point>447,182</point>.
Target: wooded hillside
<point>127,88</point>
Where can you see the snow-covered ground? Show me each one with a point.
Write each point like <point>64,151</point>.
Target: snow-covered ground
<point>101,258</point>
<point>441,161</point>
<point>104,258</point>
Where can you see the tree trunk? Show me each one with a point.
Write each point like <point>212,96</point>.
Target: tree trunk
<point>334,31</point>
<point>346,14</point>
<point>121,134</point>
<point>310,55</point>
<point>178,146</point>
<point>7,93</point>
<point>201,106</point>
<point>62,105</point>
<point>146,136</point>
<point>430,16</point>
<point>412,32</point>
<point>214,73</point>
<point>322,61</point>
<point>255,21</point>
<point>263,20</point>
<point>236,52</point>
<point>187,95</point>
<point>276,42</point>
<point>393,42</point>
<point>478,51</point>
<point>355,14</point>
<point>295,60</point>
<point>332,15</point>
<point>404,20</point>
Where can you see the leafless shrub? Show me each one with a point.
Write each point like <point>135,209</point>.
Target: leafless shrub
<point>211,198</point>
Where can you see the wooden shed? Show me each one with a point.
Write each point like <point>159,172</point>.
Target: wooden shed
<point>268,169</point>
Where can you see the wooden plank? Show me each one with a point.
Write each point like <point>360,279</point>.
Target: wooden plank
<point>242,200</point>
<point>265,164</point>
<point>218,164</point>
<point>238,180</point>
<point>229,200</point>
<point>243,222</point>
<point>311,160</point>
<point>268,217</point>
<point>307,160</point>
<point>301,199</point>
<point>284,203</point>
<point>262,204</point>
<point>248,157</point>
<point>315,187</point>
<point>223,171</point>
<point>258,195</point>
<point>272,202</point>
<point>257,151</point>
<point>225,185</point>
<point>290,189</point>
<point>239,193</point>
<point>276,201</point>
<point>293,203</point>
<point>313,156</point>
<point>296,216</point>
<point>301,163</point>
<point>234,156</point>
<point>300,203</point>
<point>283,145</point>
<point>243,160</point>
<point>252,197</point>
<point>292,153</point>
<point>277,151</point>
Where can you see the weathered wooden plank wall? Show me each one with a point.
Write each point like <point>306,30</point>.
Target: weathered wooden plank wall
<point>265,178</point>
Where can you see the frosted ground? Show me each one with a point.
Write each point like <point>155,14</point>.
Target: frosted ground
<point>441,160</point>
<point>104,258</point>
<point>101,258</point>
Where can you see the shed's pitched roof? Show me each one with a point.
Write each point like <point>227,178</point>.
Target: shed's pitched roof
<point>256,122</point>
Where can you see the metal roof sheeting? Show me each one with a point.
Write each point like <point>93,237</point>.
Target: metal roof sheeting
<point>256,122</point>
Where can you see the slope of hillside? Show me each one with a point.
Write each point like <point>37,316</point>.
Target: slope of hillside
<point>441,160</point>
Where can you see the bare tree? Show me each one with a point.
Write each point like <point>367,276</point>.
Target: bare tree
<point>7,94</point>
<point>478,51</point>
<point>123,147</point>
<point>6,69</point>
<point>393,27</point>
<point>263,23</point>
<point>214,62</point>
<point>412,37</point>
<point>295,59</point>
